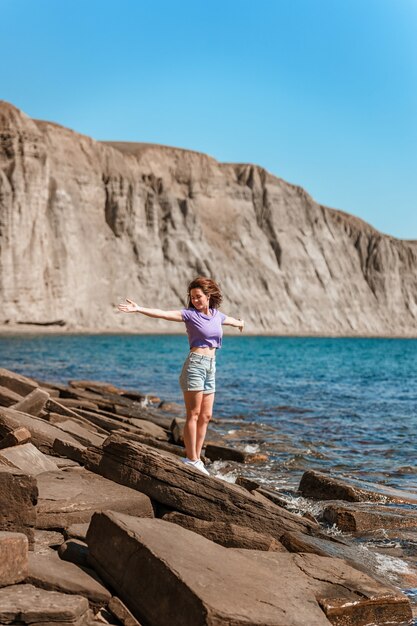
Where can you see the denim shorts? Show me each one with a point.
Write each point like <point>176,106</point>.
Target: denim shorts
<point>198,373</point>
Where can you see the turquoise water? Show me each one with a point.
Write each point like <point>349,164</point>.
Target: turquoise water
<point>349,405</point>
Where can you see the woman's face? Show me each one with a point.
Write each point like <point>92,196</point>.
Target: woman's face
<point>199,300</point>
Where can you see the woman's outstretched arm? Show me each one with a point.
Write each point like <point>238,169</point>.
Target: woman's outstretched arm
<point>231,321</point>
<point>132,307</point>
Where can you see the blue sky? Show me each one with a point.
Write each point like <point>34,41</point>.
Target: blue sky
<point>322,93</point>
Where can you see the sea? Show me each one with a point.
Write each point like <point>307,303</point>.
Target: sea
<point>342,405</point>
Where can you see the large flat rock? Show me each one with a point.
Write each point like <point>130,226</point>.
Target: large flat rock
<point>168,481</point>
<point>364,517</point>
<point>204,583</point>
<point>325,487</point>
<point>16,382</point>
<point>13,558</point>
<point>71,496</point>
<point>29,459</point>
<point>25,604</point>
<point>49,572</point>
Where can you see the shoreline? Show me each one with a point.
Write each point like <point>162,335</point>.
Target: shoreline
<point>6,330</point>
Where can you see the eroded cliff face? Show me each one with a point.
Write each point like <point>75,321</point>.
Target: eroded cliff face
<point>83,223</point>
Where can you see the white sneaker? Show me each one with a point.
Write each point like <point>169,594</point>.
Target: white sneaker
<point>198,464</point>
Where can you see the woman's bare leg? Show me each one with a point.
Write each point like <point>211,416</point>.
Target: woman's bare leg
<point>193,401</point>
<point>205,414</point>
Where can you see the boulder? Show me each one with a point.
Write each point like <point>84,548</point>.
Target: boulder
<point>346,596</point>
<point>225,533</point>
<point>28,459</point>
<point>18,499</point>
<point>206,584</point>
<point>168,481</point>
<point>15,437</point>
<point>48,571</point>
<point>26,604</point>
<point>42,433</point>
<point>223,453</point>
<point>71,496</point>
<point>325,487</point>
<point>16,382</point>
<point>74,551</point>
<point>13,558</point>
<point>360,518</point>
<point>33,403</point>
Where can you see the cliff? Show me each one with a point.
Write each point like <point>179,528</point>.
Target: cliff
<point>83,223</point>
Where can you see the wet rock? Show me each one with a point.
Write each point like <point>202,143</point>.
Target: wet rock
<point>223,453</point>
<point>325,487</point>
<point>13,558</point>
<point>33,403</point>
<point>15,437</point>
<point>42,433</point>
<point>26,604</point>
<point>168,481</point>
<point>363,518</point>
<point>122,613</point>
<point>48,571</point>
<point>16,382</point>
<point>248,484</point>
<point>18,499</point>
<point>71,496</point>
<point>225,533</point>
<point>29,459</point>
<point>74,551</point>
<point>346,596</point>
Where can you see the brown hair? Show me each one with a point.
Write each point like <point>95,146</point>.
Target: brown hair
<point>209,288</point>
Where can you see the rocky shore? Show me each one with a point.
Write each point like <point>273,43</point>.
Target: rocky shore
<point>100,522</point>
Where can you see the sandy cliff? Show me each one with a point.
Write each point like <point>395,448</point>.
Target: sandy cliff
<point>83,223</point>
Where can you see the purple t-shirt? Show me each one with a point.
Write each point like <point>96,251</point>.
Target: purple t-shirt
<point>204,331</point>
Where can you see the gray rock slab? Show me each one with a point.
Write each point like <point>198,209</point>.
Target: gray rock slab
<point>149,428</point>
<point>13,558</point>
<point>322,486</point>
<point>26,604</point>
<point>225,533</point>
<point>29,459</point>
<point>48,571</point>
<point>71,496</point>
<point>169,482</point>
<point>84,436</point>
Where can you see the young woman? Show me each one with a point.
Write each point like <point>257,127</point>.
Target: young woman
<point>203,322</point>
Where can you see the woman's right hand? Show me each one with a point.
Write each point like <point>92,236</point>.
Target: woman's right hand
<point>130,307</point>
